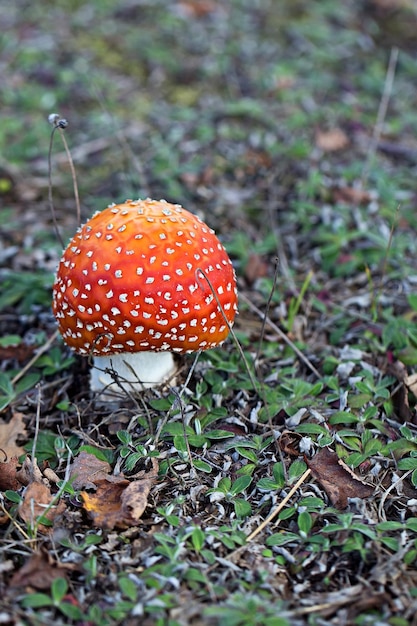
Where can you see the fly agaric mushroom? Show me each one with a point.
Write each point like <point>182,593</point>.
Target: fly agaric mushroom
<point>140,281</point>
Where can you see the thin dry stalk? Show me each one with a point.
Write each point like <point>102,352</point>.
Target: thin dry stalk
<point>382,113</point>
<point>279,508</point>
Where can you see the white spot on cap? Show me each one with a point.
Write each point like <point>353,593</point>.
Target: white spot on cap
<point>118,274</point>
<point>115,310</point>
<point>109,294</point>
<point>123,297</point>
<point>150,280</point>
<point>139,271</point>
<point>139,329</point>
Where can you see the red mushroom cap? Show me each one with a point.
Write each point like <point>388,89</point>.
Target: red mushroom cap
<point>133,279</point>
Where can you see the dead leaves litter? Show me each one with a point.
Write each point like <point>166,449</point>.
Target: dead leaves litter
<point>39,571</point>
<point>87,471</point>
<point>38,502</point>
<point>339,482</point>
<point>10,432</point>
<point>118,502</point>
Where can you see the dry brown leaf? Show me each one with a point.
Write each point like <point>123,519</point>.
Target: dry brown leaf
<point>8,478</point>
<point>197,8</point>
<point>9,433</point>
<point>38,572</point>
<point>87,470</point>
<point>331,140</point>
<point>350,195</point>
<point>411,382</point>
<point>255,268</point>
<point>20,353</point>
<point>289,443</point>
<point>338,480</point>
<point>36,500</point>
<point>104,506</point>
<point>29,472</point>
<point>119,503</point>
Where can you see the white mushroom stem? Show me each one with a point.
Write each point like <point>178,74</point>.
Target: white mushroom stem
<point>131,371</point>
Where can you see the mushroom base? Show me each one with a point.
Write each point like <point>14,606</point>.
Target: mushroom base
<point>131,371</point>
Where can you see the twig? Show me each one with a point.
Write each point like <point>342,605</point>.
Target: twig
<point>280,506</point>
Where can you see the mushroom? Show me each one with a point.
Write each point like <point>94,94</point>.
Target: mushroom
<point>138,282</point>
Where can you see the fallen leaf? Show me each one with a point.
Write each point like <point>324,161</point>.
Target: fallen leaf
<point>9,433</point>
<point>255,268</point>
<point>350,195</point>
<point>135,499</point>
<point>29,472</point>
<point>20,352</point>
<point>119,503</point>
<point>289,443</point>
<point>36,500</point>
<point>197,9</point>
<point>87,470</point>
<point>104,506</point>
<point>331,140</point>
<point>8,478</point>
<point>39,571</point>
<point>411,382</point>
<point>337,478</point>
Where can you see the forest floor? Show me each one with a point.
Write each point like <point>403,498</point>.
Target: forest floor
<point>278,477</point>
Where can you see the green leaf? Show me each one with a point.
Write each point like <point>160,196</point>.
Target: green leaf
<point>249,454</point>
<point>242,508</point>
<point>407,464</point>
<point>267,484</point>
<point>280,539</point>
<point>59,588</point>
<point>387,526</point>
<point>36,600</point>
<point>296,470</point>
<point>305,522</point>
<point>279,474</point>
<point>13,496</point>
<point>411,524</point>
<point>128,588</point>
<point>197,537</point>
<point>202,466</point>
<point>197,441</point>
<point>343,417</point>
<point>240,484</point>
<point>218,434</point>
